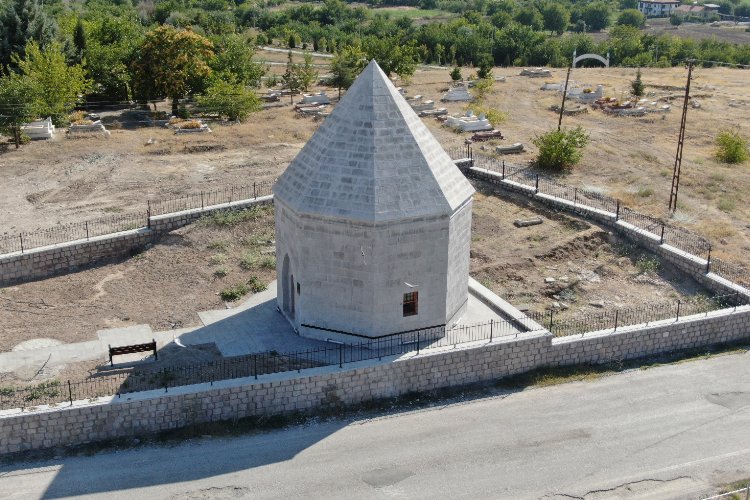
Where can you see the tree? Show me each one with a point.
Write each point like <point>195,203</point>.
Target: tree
<point>530,16</point>
<point>731,147</point>
<point>292,43</point>
<point>485,66</point>
<point>22,22</point>
<point>19,103</point>
<point>556,17</point>
<point>229,99</point>
<point>234,55</point>
<point>596,16</point>
<point>631,17</point>
<point>60,86</point>
<point>456,74</point>
<point>560,149</point>
<point>79,42</point>
<point>348,62</point>
<point>290,78</point>
<point>675,20</point>
<point>637,87</point>
<point>306,72</point>
<point>392,55</point>
<point>111,46</point>
<point>172,62</point>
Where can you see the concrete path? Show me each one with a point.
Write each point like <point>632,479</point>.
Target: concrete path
<point>667,432</point>
<point>253,326</point>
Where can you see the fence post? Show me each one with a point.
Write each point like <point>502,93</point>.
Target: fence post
<point>201,200</point>
<point>617,214</point>
<point>417,342</point>
<point>747,493</point>
<point>148,214</point>
<point>255,366</point>
<point>551,313</point>
<point>575,196</point>
<point>70,393</point>
<point>20,235</point>
<point>617,317</point>
<point>503,176</point>
<point>87,230</point>
<point>536,189</point>
<point>255,196</point>
<point>661,238</point>
<point>231,194</point>
<point>708,260</point>
<point>341,355</point>
<point>679,303</point>
<point>492,323</point>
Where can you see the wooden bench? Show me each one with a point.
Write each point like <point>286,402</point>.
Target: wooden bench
<point>132,349</point>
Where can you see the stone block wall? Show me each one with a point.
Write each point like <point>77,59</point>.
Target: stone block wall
<point>331,387</point>
<point>692,265</point>
<point>44,262</point>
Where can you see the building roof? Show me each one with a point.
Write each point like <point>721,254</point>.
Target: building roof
<point>675,2</point>
<point>691,8</point>
<point>373,160</point>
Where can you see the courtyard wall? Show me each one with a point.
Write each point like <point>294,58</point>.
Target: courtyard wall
<point>331,388</point>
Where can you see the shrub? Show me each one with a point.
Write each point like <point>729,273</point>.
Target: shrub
<point>731,147</point>
<point>456,74</point>
<point>232,293</point>
<point>495,116</point>
<point>221,272</point>
<point>647,264</point>
<point>256,285</point>
<point>560,149</point>
<point>636,86</point>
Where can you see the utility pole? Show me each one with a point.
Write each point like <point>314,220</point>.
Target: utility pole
<point>565,93</point>
<point>680,143</point>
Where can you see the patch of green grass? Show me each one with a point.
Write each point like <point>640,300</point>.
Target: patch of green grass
<point>221,272</point>
<point>50,389</point>
<point>268,262</point>
<point>232,293</point>
<point>249,261</point>
<point>228,218</point>
<point>647,263</point>
<point>7,391</point>
<point>726,204</point>
<point>220,245</point>
<point>217,259</point>
<point>256,285</point>
<point>645,192</point>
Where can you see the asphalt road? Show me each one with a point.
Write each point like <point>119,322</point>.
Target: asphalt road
<point>668,432</point>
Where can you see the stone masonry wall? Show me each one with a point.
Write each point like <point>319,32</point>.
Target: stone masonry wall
<point>331,387</point>
<point>43,262</point>
<point>690,264</point>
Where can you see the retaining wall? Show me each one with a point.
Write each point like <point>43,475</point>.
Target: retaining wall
<point>48,261</point>
<point>690,264</point>
<point>331,387</point>
<point>43,262</point>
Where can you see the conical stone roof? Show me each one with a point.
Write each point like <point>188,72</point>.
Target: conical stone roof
<point>373,160</point>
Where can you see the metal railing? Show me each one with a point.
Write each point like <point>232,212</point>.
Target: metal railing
<point>340,354</point>
<point>204,199</point>
<point>612,320</point>
<point>24,241</point>
<point>252,365</point>
<point>668,234</point>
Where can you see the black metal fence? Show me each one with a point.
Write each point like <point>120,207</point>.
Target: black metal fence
<point>561,326</point>
<point>210,198</point>
<point>675,236</point>
<point>23,241</point>
<point>254,365</point>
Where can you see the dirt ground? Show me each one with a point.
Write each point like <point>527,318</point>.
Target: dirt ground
<point>165,286</point>
<point>68,180</point>
<point>565,264</point>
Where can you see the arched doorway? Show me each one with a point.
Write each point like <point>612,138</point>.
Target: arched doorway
<point>287,287</point>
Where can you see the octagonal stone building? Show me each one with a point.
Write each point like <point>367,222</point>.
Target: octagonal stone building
<point>373,223</point>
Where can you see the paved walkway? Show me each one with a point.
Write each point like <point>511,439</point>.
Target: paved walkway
<point>254,326</point>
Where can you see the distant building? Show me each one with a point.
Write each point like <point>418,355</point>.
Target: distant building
<point>697,10</point>
<point>658,8</point>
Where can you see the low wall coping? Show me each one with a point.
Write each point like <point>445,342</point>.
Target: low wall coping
<point>212,208</point>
